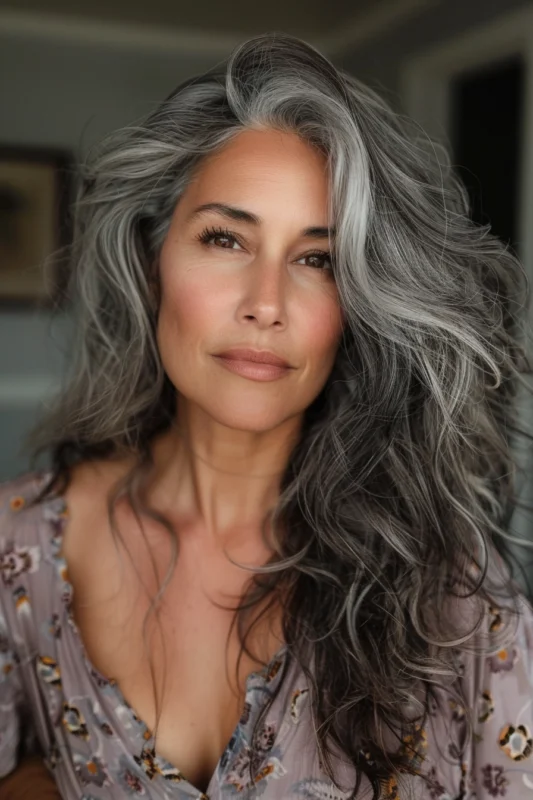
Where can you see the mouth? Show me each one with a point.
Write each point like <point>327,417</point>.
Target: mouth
<point>254,370</point>
<point>255,356</point>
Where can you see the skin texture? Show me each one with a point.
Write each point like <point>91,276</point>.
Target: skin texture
<point>219,469</point>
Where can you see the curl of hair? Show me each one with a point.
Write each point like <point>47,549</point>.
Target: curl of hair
<point>400,489</point>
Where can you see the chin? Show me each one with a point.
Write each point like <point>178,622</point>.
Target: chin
<point>247,416</point>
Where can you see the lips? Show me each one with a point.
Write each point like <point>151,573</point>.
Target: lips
<point>257,356</point>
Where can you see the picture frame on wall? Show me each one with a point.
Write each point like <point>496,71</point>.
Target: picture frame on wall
<point>35,227</point>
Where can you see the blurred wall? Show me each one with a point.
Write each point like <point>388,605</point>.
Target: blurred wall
<point>55,93</point>
<point>63,95</point>
<point>380,61</point>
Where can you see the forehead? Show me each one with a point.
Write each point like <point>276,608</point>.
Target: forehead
<point>258,167</point>
<point>265,145</point>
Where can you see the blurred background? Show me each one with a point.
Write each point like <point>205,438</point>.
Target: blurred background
<point>73,70</point>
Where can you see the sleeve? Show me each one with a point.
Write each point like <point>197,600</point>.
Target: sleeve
<point>11,703</point>
<point>17,733</point>
<point>499,691</point>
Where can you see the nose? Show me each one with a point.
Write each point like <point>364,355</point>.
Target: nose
<point>264,294</point>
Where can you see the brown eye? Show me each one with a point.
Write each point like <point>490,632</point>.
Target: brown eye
<point>216,232</point>
<point>223,236</point>
<point>208,234</point>
<point>320,255</point>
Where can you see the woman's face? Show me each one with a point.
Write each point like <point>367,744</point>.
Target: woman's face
<point>259,285</point>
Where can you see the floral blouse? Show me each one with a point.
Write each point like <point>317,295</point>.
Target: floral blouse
<point>53,701</point>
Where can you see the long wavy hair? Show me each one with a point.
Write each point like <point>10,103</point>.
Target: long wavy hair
<point>400,489</point>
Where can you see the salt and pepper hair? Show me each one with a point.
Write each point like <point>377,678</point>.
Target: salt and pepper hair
<point>403,479</point>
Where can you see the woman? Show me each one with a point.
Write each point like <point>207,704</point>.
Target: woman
<point>272,572</point>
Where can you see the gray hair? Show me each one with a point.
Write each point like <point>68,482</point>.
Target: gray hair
<point>404,470</point>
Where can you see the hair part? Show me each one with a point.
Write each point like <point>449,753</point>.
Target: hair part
<point>402,481</point>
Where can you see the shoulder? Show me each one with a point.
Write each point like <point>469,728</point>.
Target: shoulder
<point>23,585</point>
<point>22,485</point>
<point>500,694</point>
<point>483,742</point>
<point>26,534</point>
<point>27,521</point>
<point>18,513</point>
<point>86,497</point>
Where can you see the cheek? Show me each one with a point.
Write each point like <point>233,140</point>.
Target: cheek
<point>322,333</point>
<point>188,306</point>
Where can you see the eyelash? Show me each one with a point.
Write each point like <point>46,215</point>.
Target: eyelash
<point>209,232</point>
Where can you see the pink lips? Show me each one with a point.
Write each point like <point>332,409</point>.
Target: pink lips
<point>257,356</point>
<point>255,364</point>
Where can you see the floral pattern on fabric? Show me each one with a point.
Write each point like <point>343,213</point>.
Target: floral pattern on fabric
<point>97,747</point>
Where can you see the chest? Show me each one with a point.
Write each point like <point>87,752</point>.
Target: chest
<point>189,649</point>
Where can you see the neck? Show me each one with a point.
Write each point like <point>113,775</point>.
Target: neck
<point>218,481</point>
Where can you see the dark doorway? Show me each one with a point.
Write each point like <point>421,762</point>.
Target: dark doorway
<point>486,126</point>
<point>486,123</point>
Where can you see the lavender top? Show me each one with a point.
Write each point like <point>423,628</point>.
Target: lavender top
<point>53,701</point>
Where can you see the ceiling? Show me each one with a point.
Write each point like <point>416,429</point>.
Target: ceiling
<point>314,18</point>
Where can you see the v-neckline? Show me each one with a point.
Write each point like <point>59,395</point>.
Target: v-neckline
<point>56,515</point>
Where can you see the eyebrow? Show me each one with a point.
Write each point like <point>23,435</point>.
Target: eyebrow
<point>239,214</point>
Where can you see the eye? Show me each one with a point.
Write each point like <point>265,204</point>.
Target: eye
<point>321,254</point>
<point>219,233</point>
<point>216,232</point>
